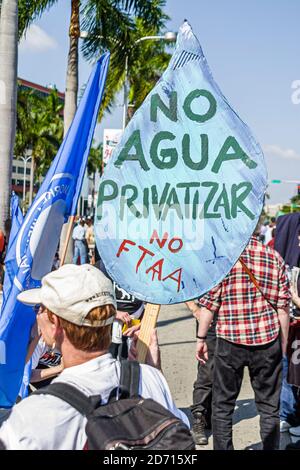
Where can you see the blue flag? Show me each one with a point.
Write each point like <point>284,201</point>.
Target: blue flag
<point>38,237</point>
<point>10,259</point>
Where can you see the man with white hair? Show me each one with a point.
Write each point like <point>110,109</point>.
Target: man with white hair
<point>80,245</point>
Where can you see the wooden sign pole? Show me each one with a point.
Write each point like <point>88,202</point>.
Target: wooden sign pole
<point>148,323</point>
<point>70,227</point>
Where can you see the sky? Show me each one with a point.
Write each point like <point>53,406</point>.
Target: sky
<point>253,50</point>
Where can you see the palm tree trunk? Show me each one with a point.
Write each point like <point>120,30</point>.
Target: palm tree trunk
<point>8,99</point>
<point>71,101</point>
<point>72,68</point>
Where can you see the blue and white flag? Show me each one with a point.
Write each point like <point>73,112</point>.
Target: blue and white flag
<point>184,188</point>
<point>38,237</point>
<point>10,259</point>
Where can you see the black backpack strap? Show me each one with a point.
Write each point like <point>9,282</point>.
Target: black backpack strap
<point>78,400</point>
<point>130,379</point>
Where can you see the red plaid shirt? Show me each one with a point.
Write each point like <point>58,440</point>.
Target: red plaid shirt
<point>244,315</point>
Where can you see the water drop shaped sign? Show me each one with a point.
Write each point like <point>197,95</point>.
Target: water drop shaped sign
<point>184,189</point>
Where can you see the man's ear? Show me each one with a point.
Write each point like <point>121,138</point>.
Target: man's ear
<point>57,325</point>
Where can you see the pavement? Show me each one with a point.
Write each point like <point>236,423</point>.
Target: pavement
<point>176,333</point>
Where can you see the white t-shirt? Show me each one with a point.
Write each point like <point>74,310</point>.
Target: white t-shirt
<point>44,422</point>
<point>79,233</point>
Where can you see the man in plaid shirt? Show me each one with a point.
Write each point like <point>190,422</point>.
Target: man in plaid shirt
<point>252,304</point>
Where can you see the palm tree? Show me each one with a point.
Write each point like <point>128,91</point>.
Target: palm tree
<point>39,128</point>
<point>102,19</point>
<point>147,61</point>
<point>108,22</point>
<point>72,67</point>
<point>8,96</point>
<point>94,163</point>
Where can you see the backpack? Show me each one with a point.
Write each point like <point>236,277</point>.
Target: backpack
<point>128,421</point>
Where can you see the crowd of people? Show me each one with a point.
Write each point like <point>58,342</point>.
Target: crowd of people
<point>87,325</point>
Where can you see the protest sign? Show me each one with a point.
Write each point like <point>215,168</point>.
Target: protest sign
<point>111,138</point>
<point>183,191</point>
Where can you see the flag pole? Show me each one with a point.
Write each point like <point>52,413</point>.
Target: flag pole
<point>68,236</point>
<point>148,323</point>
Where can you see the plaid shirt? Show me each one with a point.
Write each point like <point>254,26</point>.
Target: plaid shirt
<point>244,315</point>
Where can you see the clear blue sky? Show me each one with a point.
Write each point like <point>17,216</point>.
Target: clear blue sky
<point>252,47</point>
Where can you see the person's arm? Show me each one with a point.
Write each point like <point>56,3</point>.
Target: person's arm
<point>204,317</point>
<point>204,312</point>
<point>295,297</point>
<point>123,317</point>
<point>192,306</point>
<point>283,304</point>
<point>153,353</point>
<point>37,375</point>
<point>284,320</point>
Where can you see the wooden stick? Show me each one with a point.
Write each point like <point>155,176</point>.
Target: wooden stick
<point>148,323</point>
<point>70,227</point>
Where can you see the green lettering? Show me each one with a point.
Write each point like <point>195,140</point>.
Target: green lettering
<point>133,141</point>
<point>237,201</point>
<point>146,203</point>
<point>187,195</point>
<point>237,154</point>
<point>223,201</point>
<point>128,200</point>
<point>154,197</point>
<point>170,112</point>
<point>104,195</point>
<point>172,203</point>
<point>214,188</point>
<point>195,206</point>
<point>186,152</point>
<point>169,157</point>
<point>200,117</point>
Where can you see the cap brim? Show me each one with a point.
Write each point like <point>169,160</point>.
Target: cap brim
<point>30,297</point>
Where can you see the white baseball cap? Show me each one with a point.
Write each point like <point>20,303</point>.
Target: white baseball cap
<point>71,292</point>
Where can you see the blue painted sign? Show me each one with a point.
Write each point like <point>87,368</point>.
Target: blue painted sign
<point>184,188</point>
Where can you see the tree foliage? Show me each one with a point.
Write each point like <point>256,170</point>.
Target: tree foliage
<point>39,128</point>
<point>118,30</point>
<point>94,163</point>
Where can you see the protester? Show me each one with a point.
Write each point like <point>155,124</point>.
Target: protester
<point>271,243</point>
<point>2,244</point>
<point>4,237</point>
<point>295,298</point>
<point>252,329</point>
<point>202,390</point>
<point>80,246</point>
<point>90,239</point>
<point>56,262</point>
<point>76,309</point>
<point>37,368</point>
<point>269,231</point>
<point>262,232</point>
<point>287,245</point>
